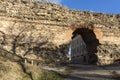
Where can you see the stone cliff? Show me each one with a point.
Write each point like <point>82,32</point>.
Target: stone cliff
<point>101,32</point>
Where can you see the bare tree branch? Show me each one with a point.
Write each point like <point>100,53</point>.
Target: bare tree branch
<point>21,39</point>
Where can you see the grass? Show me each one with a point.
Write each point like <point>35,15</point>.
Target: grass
<point>50,75</point>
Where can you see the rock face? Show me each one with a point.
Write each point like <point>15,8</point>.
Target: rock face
<point>58,23</point>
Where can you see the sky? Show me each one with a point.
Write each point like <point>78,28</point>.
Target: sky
<point>104,6</point>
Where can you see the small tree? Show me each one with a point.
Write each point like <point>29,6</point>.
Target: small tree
<point>20,39</point>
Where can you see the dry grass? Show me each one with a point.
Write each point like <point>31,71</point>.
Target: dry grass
<point>9,68</point>
<point>11,71</point>
<point>34,71</point>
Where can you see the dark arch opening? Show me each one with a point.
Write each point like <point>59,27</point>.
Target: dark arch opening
<point>91,42</point>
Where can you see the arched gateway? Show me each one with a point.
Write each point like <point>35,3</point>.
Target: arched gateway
<point>83,45</point>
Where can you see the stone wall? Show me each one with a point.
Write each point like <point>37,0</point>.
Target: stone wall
<point>57,23</point>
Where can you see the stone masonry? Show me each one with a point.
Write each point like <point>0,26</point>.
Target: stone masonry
<point>57,23</point>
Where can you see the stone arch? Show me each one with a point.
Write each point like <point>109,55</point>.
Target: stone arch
<point>90,37</point>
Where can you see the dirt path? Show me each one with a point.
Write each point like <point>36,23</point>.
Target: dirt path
<point>90,72</point>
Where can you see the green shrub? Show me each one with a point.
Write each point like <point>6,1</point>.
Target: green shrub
<point>50,75</point>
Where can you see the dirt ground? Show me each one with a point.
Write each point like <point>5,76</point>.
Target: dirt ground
<point>92,72</point>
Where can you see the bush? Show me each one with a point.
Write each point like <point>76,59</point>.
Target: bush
<point>50,75</point>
